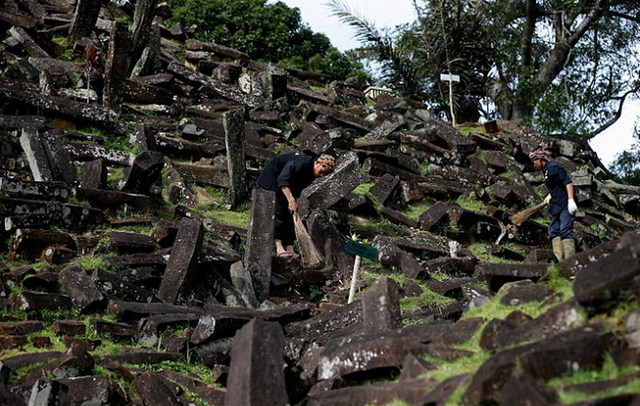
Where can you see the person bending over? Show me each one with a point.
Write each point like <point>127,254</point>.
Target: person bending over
<point>288,175</point>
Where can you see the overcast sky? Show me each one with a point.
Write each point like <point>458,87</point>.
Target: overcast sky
<point>389,13</point>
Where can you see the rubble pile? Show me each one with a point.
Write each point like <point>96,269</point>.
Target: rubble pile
<point>104,130</point>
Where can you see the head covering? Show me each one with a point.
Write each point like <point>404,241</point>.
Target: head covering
<point>539,154</point>
<point>328,160</point>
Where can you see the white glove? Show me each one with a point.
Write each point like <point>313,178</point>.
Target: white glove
<point>547,199</point>
<point>572,207</point>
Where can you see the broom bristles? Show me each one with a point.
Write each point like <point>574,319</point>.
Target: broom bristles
<point>311,258</point>
<point>524,215</point>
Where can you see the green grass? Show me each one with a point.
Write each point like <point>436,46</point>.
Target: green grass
<point>464,365</point>
<point>482,155</point>
<point>365,189</point>
<point>240,217</point>
<point>415,209</point>
<point>125,384</point>
<point>115,175</point>
<point>91,261</point>
<point>377,227</point>
<point>470,202</point>
<point>411,304</point>
<point>467,129</point>
<point>558,283</point>
<point>482,251</point>
<point>370,272</point>
<point>609,371</point>
<point>63,41</point>
<point>16,375</point>
<point>495,310</point>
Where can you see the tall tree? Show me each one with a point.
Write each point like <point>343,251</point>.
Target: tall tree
<point>561,65</point>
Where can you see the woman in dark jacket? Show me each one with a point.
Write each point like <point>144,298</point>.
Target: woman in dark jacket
<point>287,175</point>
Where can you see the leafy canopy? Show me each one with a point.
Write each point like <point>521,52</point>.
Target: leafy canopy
<point>269,32</point>
<point>562,66</point>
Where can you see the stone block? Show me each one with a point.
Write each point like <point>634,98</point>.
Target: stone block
<point>181,264</point>
<point>256,376</point>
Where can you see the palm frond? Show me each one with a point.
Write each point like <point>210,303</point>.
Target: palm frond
<point>365,31</point>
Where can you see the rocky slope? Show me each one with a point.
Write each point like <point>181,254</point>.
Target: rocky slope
<point>125,281</point>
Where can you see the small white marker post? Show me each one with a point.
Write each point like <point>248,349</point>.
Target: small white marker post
<point>354,276</point>
<point>450,78</point>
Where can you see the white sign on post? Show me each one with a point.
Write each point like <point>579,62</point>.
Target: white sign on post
<point>449,78</point>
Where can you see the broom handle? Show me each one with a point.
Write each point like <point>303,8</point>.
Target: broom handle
<point>354,276</point>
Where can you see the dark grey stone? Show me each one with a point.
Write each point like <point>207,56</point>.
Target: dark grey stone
<point>181,264</point>
<point>256,376</point>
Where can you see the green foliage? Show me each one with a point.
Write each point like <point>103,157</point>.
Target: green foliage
<point>16,375</point>
<point>397,402</point>
<point>363,188</point>
<point>482,155</point>
<point>265,31</point>
<point>556,281</point>
<point>448,369</point>
<point>627,163</point>
<point>202,372</point>
<point>61,40</point>
<point>115,175</point>
<point>121,142</point>
<point>217,194</point>
<point>599,230</point>
<point>564,75</point>
<point>49,316</point>
<point>397,67</point>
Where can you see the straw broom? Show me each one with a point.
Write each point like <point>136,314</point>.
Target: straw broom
<point>311,258</point>
<point>521,217</point>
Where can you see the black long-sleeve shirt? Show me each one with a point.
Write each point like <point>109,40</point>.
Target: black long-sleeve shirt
<point>556,180</point>
<point>292,170</point>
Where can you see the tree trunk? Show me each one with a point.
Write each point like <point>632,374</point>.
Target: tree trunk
<point>521,112</point>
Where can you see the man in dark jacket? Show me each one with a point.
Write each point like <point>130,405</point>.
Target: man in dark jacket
<point>287,175</point>
<point>562,206</point>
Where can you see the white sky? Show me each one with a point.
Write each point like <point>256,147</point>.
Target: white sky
<point>390,13</point>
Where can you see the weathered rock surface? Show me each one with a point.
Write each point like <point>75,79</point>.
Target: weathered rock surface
<point>108,178</point>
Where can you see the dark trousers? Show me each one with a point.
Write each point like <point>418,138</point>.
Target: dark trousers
<point>283,222</point>
<point>561,225</point>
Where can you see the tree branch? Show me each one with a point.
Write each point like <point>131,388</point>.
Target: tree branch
<point>617,116</point>
<point>564,44</point>
<point>527,35</point>
<point>586,23</point>
<point>635,19</point>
